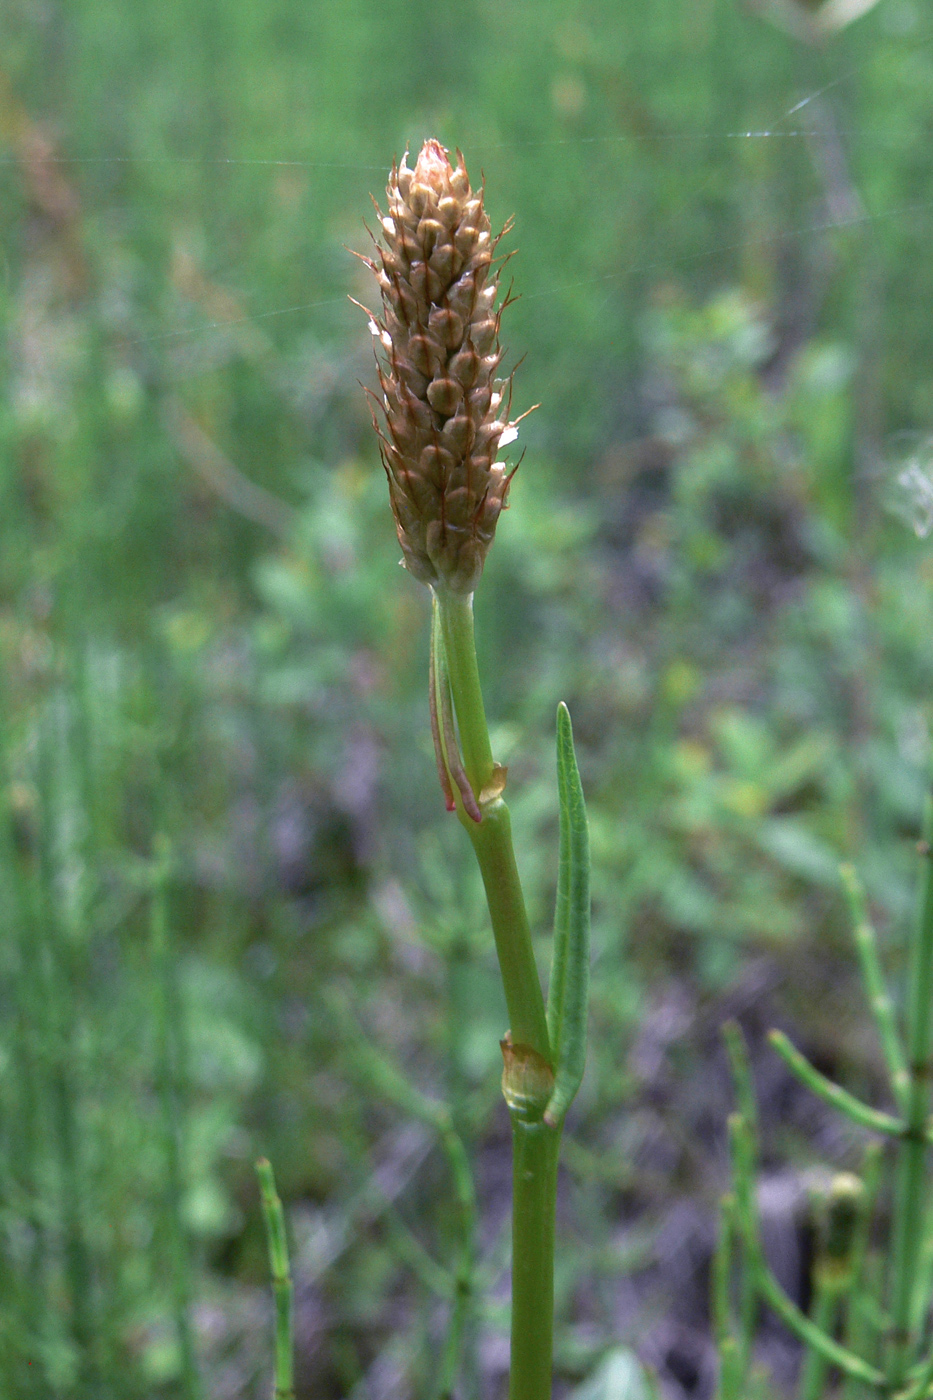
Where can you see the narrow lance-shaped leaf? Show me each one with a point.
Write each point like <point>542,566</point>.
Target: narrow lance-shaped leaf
<point>568,993</point>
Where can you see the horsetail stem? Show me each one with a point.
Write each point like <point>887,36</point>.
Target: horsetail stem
<point>277,1241</point>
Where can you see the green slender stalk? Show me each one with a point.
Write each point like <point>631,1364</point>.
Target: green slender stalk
<point>535,1148</point>
<point>833,1094</point>
<point>742,1077</point>
<point>765,1282</point>
<point>274,1218</point>
<point>528,1079</point>
<point>492,844</point>
<point>910,1184</point>
<point>743,1160</point>
<point>492,837</point>
<point>879,999</point>
<point>924,1290</point>
<point>835,1272</point>
<point>742,1143</point>
<point>456,616</point>
<point>857,1333</point>
<point>816,1367</point>
<point>462,1310</point>
<point>457,963</point>
<point>446,744</point>
<point>727,1344</point>
<point>408,1247</point>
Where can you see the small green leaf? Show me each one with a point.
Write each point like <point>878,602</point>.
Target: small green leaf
<point>568,992</point>
<point>798,851</point>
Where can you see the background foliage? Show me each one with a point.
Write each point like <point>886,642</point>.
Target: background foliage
<point>221,826</point>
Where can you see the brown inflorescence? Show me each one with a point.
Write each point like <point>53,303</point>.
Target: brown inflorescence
<point>444,413</point>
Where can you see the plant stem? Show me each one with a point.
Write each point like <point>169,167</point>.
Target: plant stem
<point>857,1334</point>
<point>535,1144</point>
<point>456,614</point>
<point>766,1285</point>
<point>535,1147</point>
<point>879,1000</point>
<point>492,837</point>
<point>274,1218</point>
<point>492,843</point>
<point>831,1093</point>
<point>461,1316</point>
<point>910,1182</point>
<point>816,1367</point>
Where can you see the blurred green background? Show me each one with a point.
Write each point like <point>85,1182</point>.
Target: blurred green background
<point>224,863</point>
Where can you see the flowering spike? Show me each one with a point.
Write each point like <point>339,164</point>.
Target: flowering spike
<point>437,349</point>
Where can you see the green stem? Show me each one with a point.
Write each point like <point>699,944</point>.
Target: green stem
<point>765,1282</point>
<point>911,1168</point>
<point>857,1334</point>
<point>727,1344</point>
<point>492,843</point>
<point>461,1316</point>
<point>816,1367</point>
<point>492,837</point>
<point>456,614</point>
<point>834,1094</point>
<point>274,1218</point>
<point>879,1000</point>
<point>535,1144</point>
<point>535,1148</point>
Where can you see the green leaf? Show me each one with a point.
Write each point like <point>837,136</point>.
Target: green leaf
<point>798,851</point>
<point>568,991</point>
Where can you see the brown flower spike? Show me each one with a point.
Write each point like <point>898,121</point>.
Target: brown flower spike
<point>445,412</point>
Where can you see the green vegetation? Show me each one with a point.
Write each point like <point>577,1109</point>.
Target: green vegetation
<point>236,921</point>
